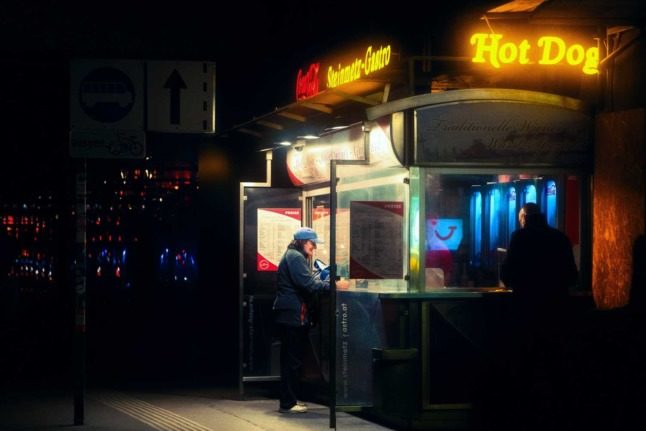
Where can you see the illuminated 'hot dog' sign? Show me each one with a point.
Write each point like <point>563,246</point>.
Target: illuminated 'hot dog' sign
<point>547,50</point>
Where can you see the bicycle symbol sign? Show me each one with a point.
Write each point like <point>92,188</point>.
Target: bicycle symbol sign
<point>125,144</point>
<point>108,144</point>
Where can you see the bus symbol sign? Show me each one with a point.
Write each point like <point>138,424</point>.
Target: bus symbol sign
<point>106,95</point>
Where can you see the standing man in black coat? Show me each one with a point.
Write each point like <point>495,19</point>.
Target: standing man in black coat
<point>540,269</point>
<point>539,266</point>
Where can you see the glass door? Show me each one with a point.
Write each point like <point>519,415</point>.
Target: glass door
<point>270,217</point>
<point>369,243</point>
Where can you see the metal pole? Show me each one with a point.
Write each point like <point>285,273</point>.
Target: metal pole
<point>79,292</point>
<point>333,308</point>
<point>241,303</point>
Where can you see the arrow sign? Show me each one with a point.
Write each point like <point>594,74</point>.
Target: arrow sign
<point>175,83</point>
<point>183,89</point>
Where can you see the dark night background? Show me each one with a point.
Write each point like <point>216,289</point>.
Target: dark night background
<point>152,333</point>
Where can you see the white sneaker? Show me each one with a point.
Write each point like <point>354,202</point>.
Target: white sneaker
<point>295,409</point>
<point>301,403</point>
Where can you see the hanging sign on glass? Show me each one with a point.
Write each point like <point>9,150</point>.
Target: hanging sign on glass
<point>321,224</point>
<point>276,227</point>
<point>376,246</point>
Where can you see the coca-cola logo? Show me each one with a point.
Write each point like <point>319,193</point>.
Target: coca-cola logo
<point>307,84</point>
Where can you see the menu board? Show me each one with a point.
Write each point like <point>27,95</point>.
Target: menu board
<point>321,225</point>
<point>276,227</point>
<point>376,239</point>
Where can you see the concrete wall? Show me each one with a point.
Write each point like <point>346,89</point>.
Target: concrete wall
<point>619,205</point>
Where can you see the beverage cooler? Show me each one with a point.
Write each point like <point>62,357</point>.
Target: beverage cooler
<point>425,197</point>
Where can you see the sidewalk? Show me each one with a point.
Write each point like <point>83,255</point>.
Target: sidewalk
<point>139,410</point>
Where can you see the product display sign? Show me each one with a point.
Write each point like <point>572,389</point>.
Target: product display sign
<point>508,132</point>
<point>443,233</point>
<point>276,227</point>
<point>311,164</point>
<point>376,244</point>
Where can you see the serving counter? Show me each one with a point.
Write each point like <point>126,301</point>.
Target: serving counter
<point>422,356</point>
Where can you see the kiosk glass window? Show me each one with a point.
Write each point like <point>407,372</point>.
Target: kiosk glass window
<point>469,220</point>
<point>370,220</point>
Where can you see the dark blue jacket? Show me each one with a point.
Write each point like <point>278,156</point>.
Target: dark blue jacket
<point>295,285</point>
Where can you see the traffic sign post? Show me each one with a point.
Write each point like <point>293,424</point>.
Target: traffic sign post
<point>108,99</point>
<point>106,121</point>
<point>80,292</point>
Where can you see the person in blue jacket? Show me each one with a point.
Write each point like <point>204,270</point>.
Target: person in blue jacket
<point>296,284</point>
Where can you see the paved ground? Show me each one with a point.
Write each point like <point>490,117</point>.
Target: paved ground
<point>137,410</point>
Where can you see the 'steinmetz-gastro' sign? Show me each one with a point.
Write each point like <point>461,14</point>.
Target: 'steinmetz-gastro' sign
<point>548,50</point>
<point>372,60</point>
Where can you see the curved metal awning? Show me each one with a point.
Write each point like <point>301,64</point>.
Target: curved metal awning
<point>477,95</point>
<point>330,108</point>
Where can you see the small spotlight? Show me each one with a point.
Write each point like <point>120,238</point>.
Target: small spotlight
<point>285,143</point>
<point>308,137</point>
<point>299,145</point>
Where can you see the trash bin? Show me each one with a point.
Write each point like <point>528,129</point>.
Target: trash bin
<point>396,381</point>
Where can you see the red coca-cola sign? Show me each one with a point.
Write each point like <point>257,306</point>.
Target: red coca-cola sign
<point>307,84</point>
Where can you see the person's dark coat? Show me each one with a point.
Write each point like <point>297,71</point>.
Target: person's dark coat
<point>295,286</point>
<point>539,267</point>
